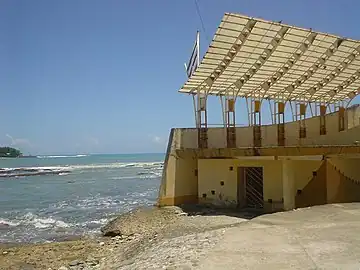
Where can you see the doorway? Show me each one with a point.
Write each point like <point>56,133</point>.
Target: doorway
<point>250,187</point>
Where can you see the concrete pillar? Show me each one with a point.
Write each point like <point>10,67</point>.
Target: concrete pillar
<point>288,177</point>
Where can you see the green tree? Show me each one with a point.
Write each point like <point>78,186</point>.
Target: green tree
<point>9,152</point>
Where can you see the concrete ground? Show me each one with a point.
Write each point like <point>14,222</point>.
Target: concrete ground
<point>320,237</point>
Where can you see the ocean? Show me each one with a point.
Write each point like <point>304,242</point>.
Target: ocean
<point>52,198</point>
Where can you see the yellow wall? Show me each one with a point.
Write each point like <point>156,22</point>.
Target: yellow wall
<point>315,191</point>
<point>330,185</point>
<point>303,170</point>
<point>272,170</point>
<point>181,185</point>
<point>353,117</point>
<point>350,167</point>
<point>186,180</point>
<point>341,189</point>
<point>179,182</point>
<point>189,138</point>
<point>244,135</point>
<point>211,173</point>
<point>217,138</point>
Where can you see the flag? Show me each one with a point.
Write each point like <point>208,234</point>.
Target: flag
<point>194,60</point>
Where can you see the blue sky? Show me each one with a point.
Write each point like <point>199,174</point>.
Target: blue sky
<point>102,76</point>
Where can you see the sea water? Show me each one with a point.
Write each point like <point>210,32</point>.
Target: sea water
<point>49,198</point>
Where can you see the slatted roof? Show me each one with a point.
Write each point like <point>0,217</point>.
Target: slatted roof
<point>251,57</point>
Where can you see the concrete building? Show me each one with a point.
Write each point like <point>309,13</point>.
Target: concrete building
<point>311,160</point>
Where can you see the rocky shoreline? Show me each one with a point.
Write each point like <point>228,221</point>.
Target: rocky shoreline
<point>132,241</point>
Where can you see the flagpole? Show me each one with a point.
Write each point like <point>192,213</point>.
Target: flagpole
<point>189,69</point>
<point>198,47</point>
<point>198,63</point>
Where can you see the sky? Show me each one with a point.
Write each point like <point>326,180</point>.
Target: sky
<point>92,76</point>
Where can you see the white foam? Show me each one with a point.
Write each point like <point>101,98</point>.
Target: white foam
<point>66,168</point>
<point>43,222</point>
<point>71,156</point>
<point>101,221</point>
<point>8,223</point>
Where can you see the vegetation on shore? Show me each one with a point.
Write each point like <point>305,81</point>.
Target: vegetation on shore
<point>10,152</point>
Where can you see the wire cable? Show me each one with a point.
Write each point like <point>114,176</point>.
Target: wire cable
<point>201,20</point>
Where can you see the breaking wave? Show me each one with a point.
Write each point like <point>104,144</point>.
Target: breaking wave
<point>88,216</point>
<point>33,220</point>
<point>150,168</point>
<point>72,156</point>
<point>7,223</point>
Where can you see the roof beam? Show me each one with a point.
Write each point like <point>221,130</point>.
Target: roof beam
<point>294,71</point>
<point>319,63</point>
<point>303,47</point>
<point>259,62</point>
<point>336,71</point>
<point>345,84</point>
<point>244,34</point>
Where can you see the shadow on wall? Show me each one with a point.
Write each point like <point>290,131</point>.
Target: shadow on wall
<point>314,193</point>
<point>329,185</point>
<point>211,210</point>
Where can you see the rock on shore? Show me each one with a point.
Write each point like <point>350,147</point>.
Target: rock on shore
<point>142,221</point>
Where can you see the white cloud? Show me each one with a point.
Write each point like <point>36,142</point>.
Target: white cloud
<point>18,141</point>
<point>156,139</point>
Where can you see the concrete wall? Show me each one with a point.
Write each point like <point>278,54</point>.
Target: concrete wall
<point>314,192</point>
<point>217,136</point>
<point>340,188</point>
<point>330,185</point>
<point>350,167</point>
<point>303,170</point>
<point>210,175</point>
<point>179,182</point>
<point>214,171</point>
<point>186,179</point>
<point>353,116</point>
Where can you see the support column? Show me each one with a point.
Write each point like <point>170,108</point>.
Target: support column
<point>256,122</point>
<point>195,110</point>
<point>288,178</point>
<point>302,126</point>
<point>322,120</point>
<point>280,121</point>
<point>230,123</point>
<point>202,121</point>
<point>341,118</point>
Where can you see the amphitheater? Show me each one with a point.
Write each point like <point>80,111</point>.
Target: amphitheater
<point>285,72</point>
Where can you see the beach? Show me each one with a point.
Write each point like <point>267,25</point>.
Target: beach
<point>56,206</point>
<point>102,215</point>
<point>174,238</point>
<point>145,229</point>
